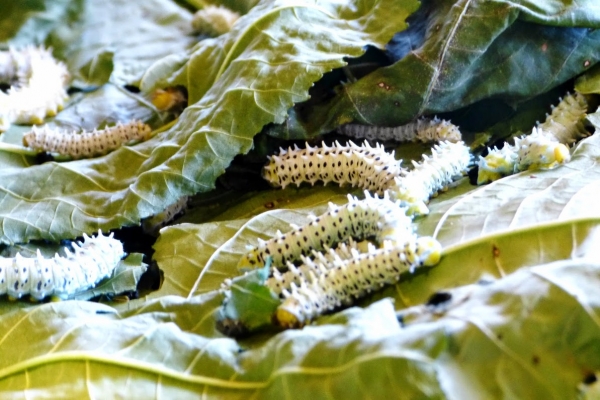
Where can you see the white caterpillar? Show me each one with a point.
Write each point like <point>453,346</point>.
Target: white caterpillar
<point>37,86</point>
<point>214,20</point>
<point>94,259</point>
<point>370,168</point>
<point>352,279</point>
<point>85,144</point>
<point>423,129</point>
<point>447,161</point>
<point>382,218</point>
<point>534,151</point>
<point>373,169</point>
<point>546,146</point>
<point>152,225</point>
<point>565,123</point>
<point>280,281</point>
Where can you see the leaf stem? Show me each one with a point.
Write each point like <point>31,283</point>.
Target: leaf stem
<point>16,149</point>
<point>163,128</point>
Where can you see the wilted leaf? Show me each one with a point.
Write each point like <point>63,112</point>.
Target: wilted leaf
<point>473,50</point>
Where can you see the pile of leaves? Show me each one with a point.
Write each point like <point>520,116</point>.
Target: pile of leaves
<point>511,310</point>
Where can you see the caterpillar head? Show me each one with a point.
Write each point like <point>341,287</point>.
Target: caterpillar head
<point>496,164</point>
<point>269,173</point>
<point>429,250</point>
<point>538,150</point>
<point>562,154</point>
<point>289,314</point>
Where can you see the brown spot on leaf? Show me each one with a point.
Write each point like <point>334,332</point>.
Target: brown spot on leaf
<point>495,251</point>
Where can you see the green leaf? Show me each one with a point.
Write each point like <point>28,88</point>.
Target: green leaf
<point>80,31</point>
<point>138,33</point>
<point>532,333</point>
<point>240,93</point>
<point>508,338</point>
<point>98,70</point>
<point>30,21</point>
<point>589,82</point>
<point>124,279</point>
<point>104,106</point>
<point>249,305</point>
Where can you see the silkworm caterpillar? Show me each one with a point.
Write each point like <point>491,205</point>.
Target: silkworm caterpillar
<point>37,86</point>
<point>534,151</point>
<point>447,161</point>
<point>544,148</point>
<point>354,278</point>
<point>93,259</point>
<point>423,129</point>
<point>214,20</point>
<point>382,218</point>
<point>86,144</point>
<point>498,163</point>
<point>153,224</point>
<point>538,151</point>
<point>566,121</point>
<point>328,259</point>
<point>370,168</point>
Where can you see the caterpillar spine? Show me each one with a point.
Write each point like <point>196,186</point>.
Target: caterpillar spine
<point>353,279</point>
<point>93,259</point>
<point>423,130</point>
<point>85,144</point>
<point>382,218</point>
